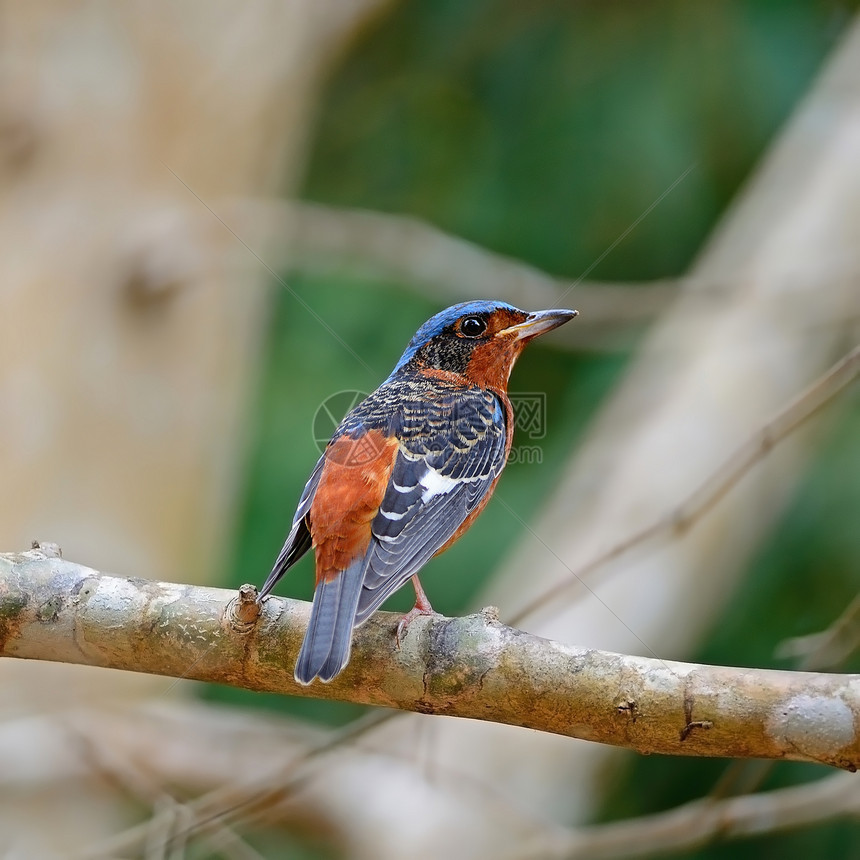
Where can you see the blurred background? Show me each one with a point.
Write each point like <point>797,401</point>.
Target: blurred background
<point>215,217</point>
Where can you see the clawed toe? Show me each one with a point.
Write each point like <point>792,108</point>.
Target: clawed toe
<point>403,624</point>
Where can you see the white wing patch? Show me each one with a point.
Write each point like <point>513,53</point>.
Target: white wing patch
<point>436,484</point>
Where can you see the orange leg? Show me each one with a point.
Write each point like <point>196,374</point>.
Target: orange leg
<point>422,607</point>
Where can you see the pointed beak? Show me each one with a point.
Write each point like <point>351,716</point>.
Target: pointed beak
<point>539,323</point>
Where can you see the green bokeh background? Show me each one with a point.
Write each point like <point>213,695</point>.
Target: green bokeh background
<point>543,130</point>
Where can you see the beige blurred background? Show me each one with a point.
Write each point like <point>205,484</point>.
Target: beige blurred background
<point>215,215</point>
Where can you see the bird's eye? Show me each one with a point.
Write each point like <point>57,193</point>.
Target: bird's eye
<point>473,326</point>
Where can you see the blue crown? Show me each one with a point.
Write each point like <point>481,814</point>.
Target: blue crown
<point>437,324</point>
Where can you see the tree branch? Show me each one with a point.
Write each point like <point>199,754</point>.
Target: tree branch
<point>52,609</point>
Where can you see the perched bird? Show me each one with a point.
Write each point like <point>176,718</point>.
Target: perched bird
<point>406,472</point>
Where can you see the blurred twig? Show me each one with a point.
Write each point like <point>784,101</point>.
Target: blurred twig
<point>246,799</point>
<point>704,821</point>
<point>416,254</point>
<point>703,498</point>
<point>830,647</point>
<point>258,764</point>
<point>172,821</point>
<point>267,768</point>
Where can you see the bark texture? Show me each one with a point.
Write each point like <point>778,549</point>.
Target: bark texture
<point>52,609</point>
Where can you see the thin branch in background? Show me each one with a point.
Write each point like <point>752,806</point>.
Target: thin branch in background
<point>322,322</point>
<point>693,824</point>
<point>829,648</point>
<point>701,500</point>
<point>413,253</point>
<point>579,579</point>
<point>172,821</point>
<point>167,819</point>
<point>258,801</point>
<point>598,260</point>
<point>703,822</point>
<point>248,800</point>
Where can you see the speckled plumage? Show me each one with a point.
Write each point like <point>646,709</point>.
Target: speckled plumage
<point>406,472</point>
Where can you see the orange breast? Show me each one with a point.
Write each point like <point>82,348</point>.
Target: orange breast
<point>491,362</point>
<point>348,496</point>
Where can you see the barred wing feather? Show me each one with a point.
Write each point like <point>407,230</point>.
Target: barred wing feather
<point>435,484</point>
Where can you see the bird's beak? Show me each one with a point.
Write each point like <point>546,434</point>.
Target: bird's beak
<point>538,323</point>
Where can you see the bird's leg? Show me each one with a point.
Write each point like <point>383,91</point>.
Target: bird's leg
<point>422,607</point>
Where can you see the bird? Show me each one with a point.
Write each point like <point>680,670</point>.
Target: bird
<point>406,473</point>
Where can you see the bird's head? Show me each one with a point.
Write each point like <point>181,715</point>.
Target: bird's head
<point>477,340</point>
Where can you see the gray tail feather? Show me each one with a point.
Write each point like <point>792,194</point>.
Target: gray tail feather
<point>327,642</point>
<point>298,542</point>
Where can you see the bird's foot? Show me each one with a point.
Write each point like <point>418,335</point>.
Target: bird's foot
<point>422,607</point>
<point>407,619</point>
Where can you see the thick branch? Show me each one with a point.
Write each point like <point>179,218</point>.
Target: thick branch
<point>52,609</point>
